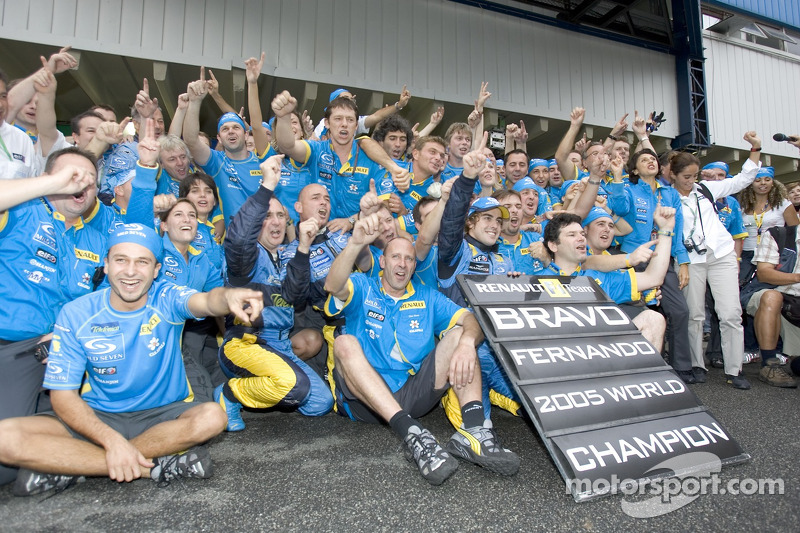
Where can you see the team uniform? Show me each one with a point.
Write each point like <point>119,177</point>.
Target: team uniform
<point>290,184</point>
<point>264,372</point>
<point>518,253</point>
<point>198,272</point>
<point>122,361</point>
<point>397,336</point>
<point>347,182</point>
<point>461,254</point>
<point>236,179</point>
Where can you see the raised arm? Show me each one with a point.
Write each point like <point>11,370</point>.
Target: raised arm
<point>475,119</point>
<point>176,126</point>
<point>45,85</point>
<point>436,118</point>
<point>365,231</point>
<point>640,130</point>
<point>253,68</point>
<point>377,116</point>
<point>196,91</point>
<point>433,222</point>
<point>282,105</point>
<point>213,90</point>
<point>565,166</point>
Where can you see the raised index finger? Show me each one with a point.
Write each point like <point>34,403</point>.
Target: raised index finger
<point>146,87</point>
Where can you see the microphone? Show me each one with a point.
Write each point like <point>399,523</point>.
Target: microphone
<point>780,137</point>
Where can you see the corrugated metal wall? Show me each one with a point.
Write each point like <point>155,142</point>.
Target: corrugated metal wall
<point>784,12</point>
<point>441,49</point>
<point>751,87</point>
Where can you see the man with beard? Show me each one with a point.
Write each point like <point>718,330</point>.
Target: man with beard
<point>135,416</point>
<point>48,256</point>
<point>388,368</point>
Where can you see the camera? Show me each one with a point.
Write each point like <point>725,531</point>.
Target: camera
<point>696,244</point>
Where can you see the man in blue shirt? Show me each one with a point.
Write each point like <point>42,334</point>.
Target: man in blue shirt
<point>388,368</point>
<point>132,412</point>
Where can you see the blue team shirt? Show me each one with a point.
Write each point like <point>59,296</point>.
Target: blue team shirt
<point>235,179</point>
<point>730,214</point>
<point>450,172</point>
<point>42,266</point>
<point>198,273</point>
<point>396,334</point>
<point>346,181</point>
<point>290,184</point>
<point>619,285</point>
<point>206,242</point>
<point>321,255</point>
<point>131,360</point>
<point>518,253</point>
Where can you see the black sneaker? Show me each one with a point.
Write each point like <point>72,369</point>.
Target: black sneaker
<point>481,446</point>
<point>195,462</point>
<point>687,376</point>
<point>738,382</point>
<point>435,464</point>
<point>699,374</point>
<point>29,482</point>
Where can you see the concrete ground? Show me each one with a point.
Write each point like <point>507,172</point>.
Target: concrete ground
<point>286,472</point>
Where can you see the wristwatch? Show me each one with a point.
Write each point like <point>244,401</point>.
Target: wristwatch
<point>352,221</point>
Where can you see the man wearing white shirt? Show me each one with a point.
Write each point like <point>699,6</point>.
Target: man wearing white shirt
<point>17,158</point>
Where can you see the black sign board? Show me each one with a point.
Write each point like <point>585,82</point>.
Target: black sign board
<point>602,398</point>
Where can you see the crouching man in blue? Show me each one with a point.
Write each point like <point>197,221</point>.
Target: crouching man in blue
<point>133,414</point>
<point>389,366</point>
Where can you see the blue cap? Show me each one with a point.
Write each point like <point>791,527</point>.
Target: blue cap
<point>552,163</point>
<point>537,163</point>
<point>267,125</point>
<point>230,117</point>
<point>594,214</point>
<point>500,163</point>
<point>765,172</point>
<point>527,183</point>
<point>486,203</point>
<point>567,184</point>
<point>335,94</point>
<point>120,168</point>
<point>718,164</point>
<point>138,234</point>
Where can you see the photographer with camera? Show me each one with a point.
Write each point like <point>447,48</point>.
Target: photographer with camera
<point>712,258</point>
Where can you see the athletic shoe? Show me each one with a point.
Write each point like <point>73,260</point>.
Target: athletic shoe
<point>717,362</point>
<point>738,382</point>
<point>699,374</point>
<point>232,409</point>
<point>480,445</point>
<point>435,464</point>
<point>774,374</point>
<point>195,462</point>
<point>687,376</point>
<point>752,356</point>
<point>29,482</point>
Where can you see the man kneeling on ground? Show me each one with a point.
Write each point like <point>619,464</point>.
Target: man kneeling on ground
<point>135,414</point>
<point>397,372</point>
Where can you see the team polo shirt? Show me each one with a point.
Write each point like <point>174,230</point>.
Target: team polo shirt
<point>518,253</point>
<point>290,184</point>
<point>131,360</point>
<point>472,260</point>
<point>730,214</point>
<point>347,182</point>
<point>619,285</point>
<point>235,179</point>
<point>198,272</point>
<point>428,269</point>
<point>396,334</point>
<point>206,242</point>
<point>17,155</point>
<point>450,172</point>
<point>42,265</point>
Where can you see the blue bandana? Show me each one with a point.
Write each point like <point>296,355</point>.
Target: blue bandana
<point>230,117</point>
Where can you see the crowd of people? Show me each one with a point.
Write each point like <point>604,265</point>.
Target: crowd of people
<point>156,281</point>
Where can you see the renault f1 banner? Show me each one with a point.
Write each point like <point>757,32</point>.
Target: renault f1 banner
<point>603,400</point>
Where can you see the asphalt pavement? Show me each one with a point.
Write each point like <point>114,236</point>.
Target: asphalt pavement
<point>286,472</point>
